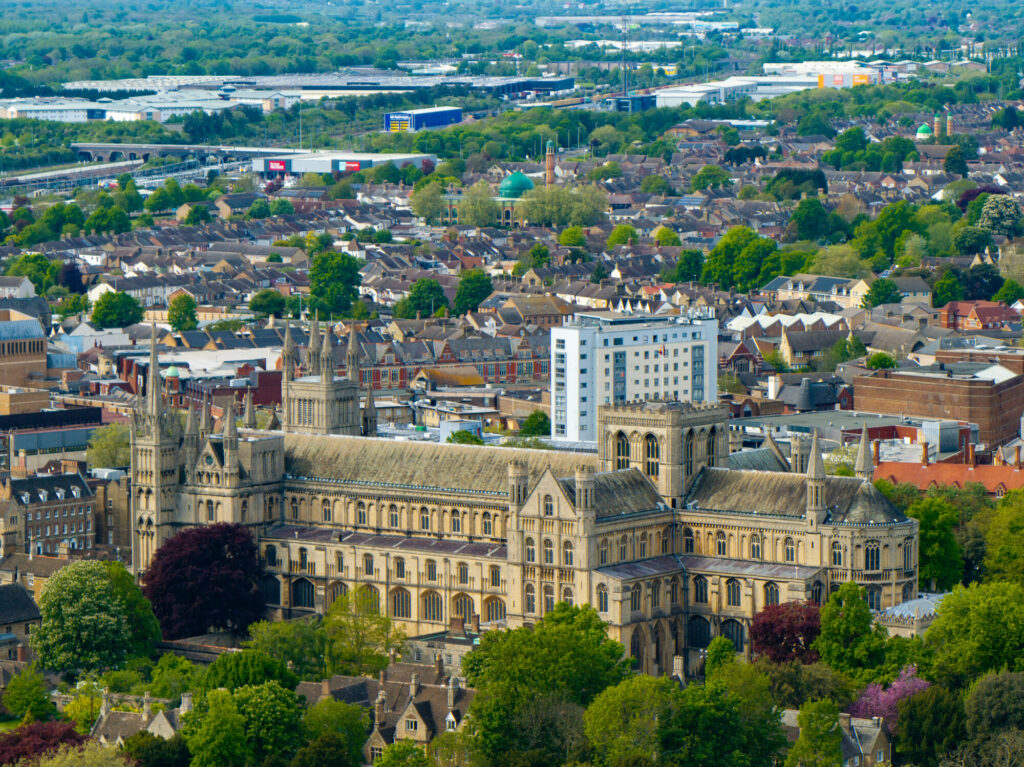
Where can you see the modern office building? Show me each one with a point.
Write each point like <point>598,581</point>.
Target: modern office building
<point>601,358</point>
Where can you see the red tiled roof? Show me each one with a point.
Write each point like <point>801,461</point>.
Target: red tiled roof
<point>996,479</point>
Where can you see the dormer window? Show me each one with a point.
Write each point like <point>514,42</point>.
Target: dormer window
<point>60,493</point>
<point>449,722</point>
<point>26,498</point>
<point>43,495</point>
<point>77,492</point>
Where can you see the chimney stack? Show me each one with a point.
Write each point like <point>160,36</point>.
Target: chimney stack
<point>147,704</point>
<point>453,686</point>
<point>186,703</point>
<point>414,685</point>
<point>924,453</point>
<point>1016,456</point>
<point>875,450</point>
<point>378,709</point>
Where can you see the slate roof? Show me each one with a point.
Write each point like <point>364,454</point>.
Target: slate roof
<point>16,604</point>
<point>382,462</point>
<point>850,500</point>
<point>618,493</point>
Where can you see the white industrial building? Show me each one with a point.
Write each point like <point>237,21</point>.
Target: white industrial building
<point>333,162</point>
<point>606,357</point>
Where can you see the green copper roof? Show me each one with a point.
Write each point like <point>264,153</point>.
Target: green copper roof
<point>515,185</point>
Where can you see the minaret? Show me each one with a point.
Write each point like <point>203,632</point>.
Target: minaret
<point>352,356</point>
<point>816,510</point>
<point>549,164</point>
<point>864,467</point>
<point>369,414</point>
<point>313,348</point>
<point>249,419</point>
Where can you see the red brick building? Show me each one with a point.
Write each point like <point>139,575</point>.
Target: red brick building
<point>994,403</point>
<point>976,315</point>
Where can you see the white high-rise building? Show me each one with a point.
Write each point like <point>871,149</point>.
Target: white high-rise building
<point>608,357</point>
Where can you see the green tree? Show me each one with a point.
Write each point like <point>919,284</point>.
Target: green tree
<point>706,727</point>
<point>622,234</point>
<point>537,424</point>
<point>1004,539</point>
<point>995,703</point>
<point>171,676</point>
<point>333,279</point>
<point>1010,293</point>
<point>979,628</point>
<point>83,626</point>
<point>566,658</point>
<point>143,628</point>
<point>1001,215</point>
<point>463,437</point>
<point>26,696</point>
<point>880,361</point>
<point>345,720</point>
<point>298,644</point>
<point>721,653</point>
<point>90,754</point>
<point>882,291</point>
<point>478,207</point>
<point>427,202</point>
<point>281,207</point>
<point>327,750</point>
<point>402,753</point>
<point>971,240</point>
<point>810,219</point>
<point>794,683</point>
<point>76,303</point>
<point>941,563</point>
<point>359,636</point>
<point>820,740</point>
<point>849,641</point>
<point>622,722</point>
<point>425,297</point>
<point>572,237</point>
<point>249,667</point>
<point>667,237</point>
<point>654,184</point>
<point>720,263</point>
<point>474,286</point>
<point>273,719</point>
<point>158,201</point>
<point>40,270</point>
<point>947,288</point>
<point>219,740</point>
<point>116,310</point>
<point>197,215</point>
<point>931,725</point>
<point>710,177</point>
<point>84,708</point>
<point>149,750</point>
<point>109,447</point>
<point>181,312</point>
<point>268,301</point>
<point>955,162</point>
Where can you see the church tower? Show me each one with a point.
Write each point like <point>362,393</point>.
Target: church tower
<point>155,466</point>
<point>318,402</point>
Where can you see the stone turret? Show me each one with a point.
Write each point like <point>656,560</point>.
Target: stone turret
<point>352,356</point>
<point>249,417</point>
<point>584,490</point>
<point>518,481</point>
<point>369,428</point>
<point>864,467</point>
<point>327,356</point>
<point>313,349</point>
<point>816,508</point>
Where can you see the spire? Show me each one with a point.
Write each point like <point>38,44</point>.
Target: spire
<point>191,428</point>
<point>816,510</point>
<point>205,427</point>
<point>249,419</point>
<point>864,468</point>
<point>314,346</point>
<point>352,355</point>
<point>288,352</point>
<point>230,427</point>
<point>815,466</point>
<point>327,356</point>
<point>154,398</point>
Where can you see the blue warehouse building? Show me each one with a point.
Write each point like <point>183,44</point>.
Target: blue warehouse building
<point>421,119</point>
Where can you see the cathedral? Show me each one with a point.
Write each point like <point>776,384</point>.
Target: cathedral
<point>669,535</point>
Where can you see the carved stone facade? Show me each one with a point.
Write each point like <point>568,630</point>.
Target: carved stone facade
<point>660,532</point>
